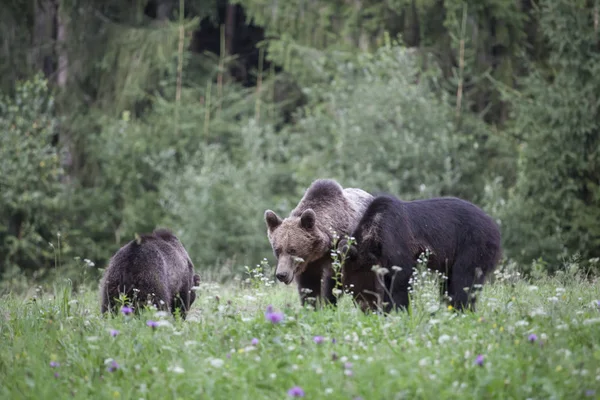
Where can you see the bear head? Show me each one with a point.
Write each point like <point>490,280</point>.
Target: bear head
<point>296,241</point>
<point>358,276</point>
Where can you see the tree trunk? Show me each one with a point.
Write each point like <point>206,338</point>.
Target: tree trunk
<point>65,141</point>
<point>43,36</point>
<point>61,48</point>
<point>412,28</point>
<point>230,28</point>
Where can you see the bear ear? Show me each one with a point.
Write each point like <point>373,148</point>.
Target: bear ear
<point>352,252</point>
<point>272,220</point>
<point>342,244</point>
<point>349,252</point>
<point>372,258</point>
<point>308,218</point>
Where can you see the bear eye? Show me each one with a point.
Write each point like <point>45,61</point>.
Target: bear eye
<point>292,252</point>
<point>277,251</point>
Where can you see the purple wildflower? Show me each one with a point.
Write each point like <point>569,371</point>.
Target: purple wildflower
<point>333,340</point>
<point>348,365</point>
<point>272,316</point>
<point>113,366</point>
<point>296,391</point>
<point>590,393</point>
<point>318,339</point>
<point>254,341</point>
<point>126,310</point>
<point>56,375</point>
<point>532,338</point>
<point>228,355</point>
<point>114,332</point>
<point>54,364</point>
<point>598,303</point>
<point>479,360</point>
<point>152,324</point>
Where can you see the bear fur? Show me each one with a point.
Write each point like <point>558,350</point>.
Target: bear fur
<point>302,242</point>
<point>153,268</point>
<point>464,244</point>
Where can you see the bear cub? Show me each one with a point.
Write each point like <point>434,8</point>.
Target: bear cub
<point>154,268</point>
<point>302,242</point>
<point>463,241</point>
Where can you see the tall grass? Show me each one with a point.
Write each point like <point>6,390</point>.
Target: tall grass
<point>537,341</point>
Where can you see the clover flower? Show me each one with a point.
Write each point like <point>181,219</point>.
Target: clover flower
<point>296,391</point>
<point>273,316</point>
<point>532,338</point>
<point>114,332</point>
<point>126,310</point>
<point>152,324</point>
<point>479,360</point>
<point>113,366</point>
<point>318,339</point>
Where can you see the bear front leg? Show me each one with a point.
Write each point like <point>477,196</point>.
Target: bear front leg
<point>466,275</point>
<point>182,301</point>
<point>309,284</point>
<point>328,284</point>
<point>397,284</point>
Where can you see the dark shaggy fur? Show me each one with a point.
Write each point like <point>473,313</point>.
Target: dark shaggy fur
<point>153,268</point>
<point>464,242</point>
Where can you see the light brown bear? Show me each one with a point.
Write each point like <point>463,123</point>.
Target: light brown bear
<point>302,242</point>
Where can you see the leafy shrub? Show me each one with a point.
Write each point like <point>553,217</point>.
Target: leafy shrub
<point>30,184</point>
<point>383,127</point>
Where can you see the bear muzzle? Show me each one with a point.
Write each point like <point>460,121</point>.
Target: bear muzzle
<point>287,268</point>
<point>285,277</point>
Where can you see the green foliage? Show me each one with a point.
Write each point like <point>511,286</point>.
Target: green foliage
<point>382,126</point>
<point>554,210</point>
<point>153,133</point>
<point>56,344</point>
<point>14,55</point>
<point>218,201</point>
<point>30,185</point>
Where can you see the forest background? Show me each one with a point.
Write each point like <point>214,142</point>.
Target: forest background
<point>120,116</point>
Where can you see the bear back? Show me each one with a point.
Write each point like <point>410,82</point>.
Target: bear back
<point>336,208</point>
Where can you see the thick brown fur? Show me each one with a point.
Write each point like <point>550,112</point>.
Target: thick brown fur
<point>464,242</point>
<point>151,269</point>
<point>303,241</point>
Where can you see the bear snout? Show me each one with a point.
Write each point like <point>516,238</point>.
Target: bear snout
<point>283,277</point>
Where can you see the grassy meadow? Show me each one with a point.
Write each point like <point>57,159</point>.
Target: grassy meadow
<point>250,339</point>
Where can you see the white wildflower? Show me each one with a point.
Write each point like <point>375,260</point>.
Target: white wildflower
<point>176,369</point>
<point>443,339</point>
<point>216,362</point>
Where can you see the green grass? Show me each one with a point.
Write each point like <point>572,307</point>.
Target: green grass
<point>210,356</point>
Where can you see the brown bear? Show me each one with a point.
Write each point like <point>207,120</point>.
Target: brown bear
<point>302,242</point>
<point>463,241</point>
<point>153,267</point>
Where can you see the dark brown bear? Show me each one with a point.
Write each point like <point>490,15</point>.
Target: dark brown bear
<point>153,269</point>
<point>302,242</point>
<point>464,242</point>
